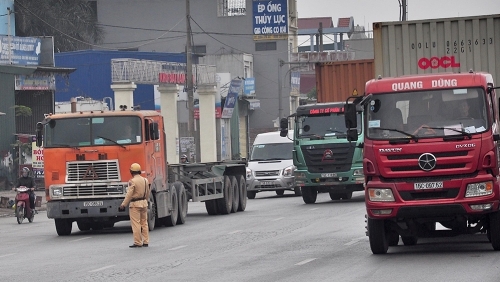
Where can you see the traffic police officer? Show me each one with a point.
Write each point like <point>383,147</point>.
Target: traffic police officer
<point>137,199</point>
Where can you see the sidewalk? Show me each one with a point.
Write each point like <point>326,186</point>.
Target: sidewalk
<point>6,212</point>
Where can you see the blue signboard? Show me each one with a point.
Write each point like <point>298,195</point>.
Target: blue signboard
<point>23,51</point>
<point>249,88</point>
<point>231,98</point>
<point>270,19</point>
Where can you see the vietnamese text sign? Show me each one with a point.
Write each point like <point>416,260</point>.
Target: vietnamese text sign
<point>36,155</point>
<point>22,51</point>
<point>249,88</point>
<point>231,98</point>
<point>295,83</point>
<point>270,18</point>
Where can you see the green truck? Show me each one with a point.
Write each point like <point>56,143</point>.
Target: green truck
<point>325,160</point>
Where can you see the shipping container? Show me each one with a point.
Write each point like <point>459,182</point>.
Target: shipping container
<point>438,45</point>
<point>92,78</point>
<point>336,81</point>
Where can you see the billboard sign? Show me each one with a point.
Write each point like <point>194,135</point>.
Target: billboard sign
<point>270,19</point>
<point>249,88</point>
<point>231,98</point>
<point>23,51</point>
<point>295,83</point>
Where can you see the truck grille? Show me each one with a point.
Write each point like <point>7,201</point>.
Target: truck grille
<point>460,160</point>
<point>86,171</point>
<point>93,190</point>
<point>267,173</point>
<point>318,161</point>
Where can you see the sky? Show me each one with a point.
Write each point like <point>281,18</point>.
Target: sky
<point>365,12</point>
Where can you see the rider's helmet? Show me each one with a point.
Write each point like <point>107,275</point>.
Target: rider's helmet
<point>135,167</point>
<point>26,171</point>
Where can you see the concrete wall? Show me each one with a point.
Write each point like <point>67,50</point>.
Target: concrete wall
<point>226,35</point>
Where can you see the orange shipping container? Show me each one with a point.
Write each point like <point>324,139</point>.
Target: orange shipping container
<point>336,81</point>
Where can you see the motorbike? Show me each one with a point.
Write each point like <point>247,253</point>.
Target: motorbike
<point>23,209</point>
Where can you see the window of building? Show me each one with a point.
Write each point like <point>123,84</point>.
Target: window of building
<point>265,46</point>
<point>230,8</point>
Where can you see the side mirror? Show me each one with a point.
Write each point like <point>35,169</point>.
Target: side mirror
<point>153,131</point>
<point>39,134</point>
<point>283,127</point>
<point>352,135</point>
<point>351,119</point>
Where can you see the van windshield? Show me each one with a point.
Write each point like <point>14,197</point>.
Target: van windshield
<point>273,151</point>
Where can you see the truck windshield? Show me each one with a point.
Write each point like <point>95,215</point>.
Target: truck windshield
<point>93,131</point>
<point>272,151</point>
<point>423,114</point>
<point>324,126</point>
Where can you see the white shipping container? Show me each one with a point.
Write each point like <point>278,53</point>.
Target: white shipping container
<point>438,45</point>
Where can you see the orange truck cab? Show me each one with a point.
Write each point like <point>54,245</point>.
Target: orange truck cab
<point>431,166</point>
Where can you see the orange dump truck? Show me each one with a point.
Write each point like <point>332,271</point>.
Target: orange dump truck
<point>88,156</point>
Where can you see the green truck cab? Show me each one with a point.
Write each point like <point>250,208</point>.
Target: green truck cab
<point>325,160</point>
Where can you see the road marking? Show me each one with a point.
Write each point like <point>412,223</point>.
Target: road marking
<point>7,255</point>
<point>102,268</point>
<point>84,238</point>
<point>314,209</point>
<point>354,241</point>
<point>276,219</point>
<point>234,232</point>
<point>177,248</point>
<point>305,261</point>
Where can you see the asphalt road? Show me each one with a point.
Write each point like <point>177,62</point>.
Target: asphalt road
<point>275,239</point>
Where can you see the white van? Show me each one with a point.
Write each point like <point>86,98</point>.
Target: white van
<point>270,166</point>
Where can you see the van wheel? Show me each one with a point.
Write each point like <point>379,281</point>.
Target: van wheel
<point>251,194</point>
<point>280,192</point>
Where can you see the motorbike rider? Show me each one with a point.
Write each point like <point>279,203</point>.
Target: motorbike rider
<point>29,182</point>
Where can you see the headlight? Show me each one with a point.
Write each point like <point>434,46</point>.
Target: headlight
<point>249,173</point>
<point>288,171</point>
<point>357,172</point>
<point>479,189</point>
<point>57,192</point>
<point>380,195</point>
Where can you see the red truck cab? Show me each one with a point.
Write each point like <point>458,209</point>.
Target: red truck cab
<point>431,158</point>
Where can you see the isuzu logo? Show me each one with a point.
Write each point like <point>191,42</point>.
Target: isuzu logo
<point>471,145</point>
<point>427,162</point>
<point>390,150</point>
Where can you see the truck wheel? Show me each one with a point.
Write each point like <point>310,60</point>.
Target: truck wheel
<point>280,192</point>
<point>236,194</point>
<point>151,212</point>
<point>225,204</point>
<point>297,190</point>
<point>376,234</point>
<point>347,196</point>
<point>171,220</point>
<point>183,202</point>
<point>494,230</point>
<point>409,240</point>
<point>211,206</point>
<point>63,226</point>
<point>309,195</point>
<point>251,194</point>
<point>242,184</point>
<point>83,225</point>
<point>393,238</point>
<point>335,196</point>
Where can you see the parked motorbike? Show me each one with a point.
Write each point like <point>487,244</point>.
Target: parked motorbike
<point>23,209</point>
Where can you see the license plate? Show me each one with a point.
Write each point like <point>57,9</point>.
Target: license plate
<point>93,204</point>
<point>266,183</point>
<point>328,175</point>
<point>428,185</point>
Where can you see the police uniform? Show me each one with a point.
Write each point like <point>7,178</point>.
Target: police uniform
<point>137,199</point>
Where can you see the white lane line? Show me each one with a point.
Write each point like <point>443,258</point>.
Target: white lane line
<point>7,255</point>
<point>84,238</point>
<point>354,241</point>
<point>305,261</point>
<point>276,219</point>
<point>177,248</point>
<point>234,232</point>
<point>314,209</point>
<point>102,268</point>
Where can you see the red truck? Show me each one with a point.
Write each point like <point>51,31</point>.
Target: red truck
<point>431,160</point>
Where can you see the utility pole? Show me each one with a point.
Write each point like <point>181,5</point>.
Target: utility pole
<point>189,72</point>
<point>280,106</point>
<point>404,9</point>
